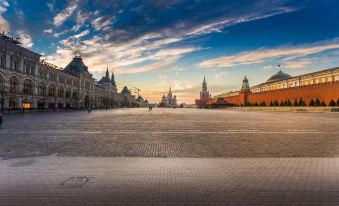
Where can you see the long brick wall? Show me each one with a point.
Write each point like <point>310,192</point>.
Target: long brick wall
<point>324,92</point>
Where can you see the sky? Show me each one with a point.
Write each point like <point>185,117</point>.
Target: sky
<point>155,44</point>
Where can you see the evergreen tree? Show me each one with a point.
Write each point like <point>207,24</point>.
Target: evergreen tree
<point>281,103</point>
<point>338,102</point>
<point>264,104</point>
<point>295,103</point>
<point>301,102</point>
<point>323,104</point>
<point>317,102</point>
<point>289,103</point>
<point>256,104</point>
<point>276,103</point>
<point>311,104</point>
<point>332,103</point>
<point>285,103</point>
<point>271,104</point>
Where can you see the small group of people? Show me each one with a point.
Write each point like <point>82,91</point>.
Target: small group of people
<point>150,107</point>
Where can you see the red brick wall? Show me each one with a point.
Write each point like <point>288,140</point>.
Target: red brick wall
<point>324,92</point>
<point>238,100</point>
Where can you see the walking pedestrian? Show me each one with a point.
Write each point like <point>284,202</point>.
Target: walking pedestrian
<point>1,118</point>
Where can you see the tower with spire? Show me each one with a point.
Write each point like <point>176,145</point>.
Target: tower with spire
<point>113,80</point>
<point>204,95</point>
<point>107,74</point>
<point>245,85</point>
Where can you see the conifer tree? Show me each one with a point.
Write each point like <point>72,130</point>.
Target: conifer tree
<point>289,103</point>
<point>311,104</point>
<point>276,103</point>
<point>317,102</point>
<point>332,103</point>
<point>301,102</point>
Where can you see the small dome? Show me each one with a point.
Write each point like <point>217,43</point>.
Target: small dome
<point>125,91</point>
<point>279,76</point>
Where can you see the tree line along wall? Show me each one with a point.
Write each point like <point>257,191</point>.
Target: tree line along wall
<point>324,92</point>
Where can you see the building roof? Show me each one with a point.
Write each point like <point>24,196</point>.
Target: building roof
<point>76,66</point>
<point>125,90</point>
<point>105,79</point>
<point>278,76</point>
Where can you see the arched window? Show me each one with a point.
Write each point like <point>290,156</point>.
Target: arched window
<point>75,95</point>
<point>52,76</point>
<point>42,89</point>
<point>68,94</point>
<point>61,92</point>
<point>14,63</point>
<point>51,91</point>
<point>28,87</point>
<point>13,82</point>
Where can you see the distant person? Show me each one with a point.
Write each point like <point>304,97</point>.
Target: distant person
<point>1,118</point>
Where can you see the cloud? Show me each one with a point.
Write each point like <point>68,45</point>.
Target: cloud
<point>300,64</point>
<point>145,54</point>
<point>49,31</point>
<point>50,6</point>
<point>267,67</point>
<point>261,55</point>
<point>61,17</point>
<point>4,25</point>
<point>82,34</point>
<point>101,22</point>
<point>219,74</point>
<point>148,68</point>
<point>25,39</point>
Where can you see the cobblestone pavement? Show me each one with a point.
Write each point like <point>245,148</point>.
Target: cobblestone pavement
<point>169,181</point>
<point>171,133</point>
<point>208,157</point>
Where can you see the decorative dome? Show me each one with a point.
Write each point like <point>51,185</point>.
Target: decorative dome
<point>125,91</point>
<point>76,66</point>
<point>279,76</point>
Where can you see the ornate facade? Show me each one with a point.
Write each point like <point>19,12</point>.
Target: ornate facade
<point>314,89</point>
<point>170,100</point>
<point>28,83</point>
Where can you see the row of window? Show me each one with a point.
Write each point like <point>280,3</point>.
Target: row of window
<point>28,89</point>
<point>296,84</point>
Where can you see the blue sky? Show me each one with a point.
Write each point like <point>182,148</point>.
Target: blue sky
<point>154,44</point>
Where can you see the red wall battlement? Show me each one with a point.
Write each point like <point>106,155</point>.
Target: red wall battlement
<point>323,91</point>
